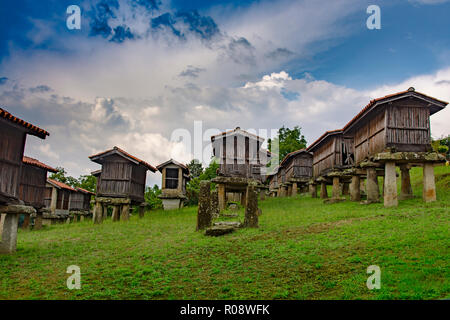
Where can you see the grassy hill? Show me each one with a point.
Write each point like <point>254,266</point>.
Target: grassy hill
<point>303,249</point>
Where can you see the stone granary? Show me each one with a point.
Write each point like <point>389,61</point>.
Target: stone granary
<point>241,159</point>
<point>296,170</point>
<point>57,201</point>
<point>392,131</point>
<point>332,153</point>
<point>13,133</point>
<point>80,204</point>
<point>33,189</point>
<point>175,175</point>
<point>120,184</point>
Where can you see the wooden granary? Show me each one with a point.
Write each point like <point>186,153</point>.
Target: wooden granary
<point>175,176</point>
<point>13,132</point>
<point>295,172</point>
<point>120,183</point>
<point>57,200</point>
<point>241,160</point>
<point>80,203</point>
<point>33,188</point>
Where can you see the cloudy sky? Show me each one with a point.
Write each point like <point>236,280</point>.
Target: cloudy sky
<point>141,71</point>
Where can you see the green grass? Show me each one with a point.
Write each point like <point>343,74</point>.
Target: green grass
<point>303,249</point>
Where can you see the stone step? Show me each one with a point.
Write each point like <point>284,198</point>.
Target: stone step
<point>219,230</point>
<point>235,224</point>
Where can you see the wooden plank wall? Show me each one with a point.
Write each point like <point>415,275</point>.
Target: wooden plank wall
<point>370,138</point>
<point>324,157</point>
<point>32,185</point>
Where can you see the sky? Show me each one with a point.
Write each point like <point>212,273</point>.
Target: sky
<point>155,77</point>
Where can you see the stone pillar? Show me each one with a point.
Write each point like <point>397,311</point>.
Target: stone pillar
<point>313,190</point>
<point>116,213</point>
<point>294,189</point>
<point>204,218</point>
<point>125,213</point>
<point>251,210</point>
<point>215,203</point>
<point>372,188</point>
<point>390,185</point>
<point>429,184</point>
<point>336,188</point>
<point>406,189</point>
<point>244,198</point>
<point>323,190</point>
<point>262,194</point>
<point>53,200</point>
<point>362,186</point>
<point>81,218</point>
<point>9,233</point>
<point>26,222</point>
<point>105,212</point>
<point>2,220</point>
<point>38,221</point>
<point>98,213</point>
<point>289,190</point>
<point>355,188</point>
<point>221,195</point>
<point>345,188</point>
<point>141,211</point>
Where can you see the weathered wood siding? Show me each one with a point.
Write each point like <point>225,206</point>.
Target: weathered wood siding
<point>12,144</point>
<point>32,185</point>
<point>79,201</point>
<point>299,166</point>
<point>324,157</point>
<point>370,137</point>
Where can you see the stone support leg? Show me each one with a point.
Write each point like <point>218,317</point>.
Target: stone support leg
<point>9,233</point>
<point>429,184</point>
<point>406,189</point>
<point>372,188</point>
<point>390,185</point>
<point>323,190</point>
<point>355,190</point>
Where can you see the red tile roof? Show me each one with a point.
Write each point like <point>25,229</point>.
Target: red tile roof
<point>38,164</point>
<point>325,135</point>
<point>126,154</point>
<point>32,128</point>
<point>160,166</point>
<point>286,158</point>
<point>85,191</point>
<point>60,184</point>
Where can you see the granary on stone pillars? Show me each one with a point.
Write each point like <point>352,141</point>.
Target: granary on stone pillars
<point>32,189</point>
<point>57,198</point>
<point>120,183</point>
<point>175,176</point>
<point>13,133</point>
<point>332,154</point>
<point>80,204</point>
<point>394,130</point>
<point>297,167</point>
<point>241,160</point>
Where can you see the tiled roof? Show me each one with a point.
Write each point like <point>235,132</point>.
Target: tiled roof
<point>326,134</point>
<point>60,184</point>
<point>126,154</point>
<point>160,166</point>
<point>32,128</point>
<point>37,163</point>
<point>374,101</point>
<point>286,158</point>
<point>84,191</point>
<point>233,131</point>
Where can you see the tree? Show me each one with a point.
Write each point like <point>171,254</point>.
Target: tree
<point>60,175</point>
<point>88,182</point>
<point>193,186</point>
<point>288,140</point>
<point>151,197</point>
<point>195,168</point>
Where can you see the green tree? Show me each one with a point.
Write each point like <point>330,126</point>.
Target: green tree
<point>151,197</point>
<point>195,168</point>
<point>288,140</point>
<point>88,182</point>
<point>193,186</point>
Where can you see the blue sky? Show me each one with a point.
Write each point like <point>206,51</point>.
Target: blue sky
<point>140,69</point>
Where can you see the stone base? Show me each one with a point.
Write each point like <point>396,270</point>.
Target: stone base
<point>219,231</point>
<point>172,204</point>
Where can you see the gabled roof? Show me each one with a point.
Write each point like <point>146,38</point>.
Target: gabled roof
<point>32,129</point>
<point>236,131</point>
<point>84,191</point>
<point>323,137</point>
<point>292,154</point>
<point>37,163</point>
<point>96,173</point>
<point>60,185</point>
<point>435,104</point>
<point>171,161</point>
<point>116,150</point>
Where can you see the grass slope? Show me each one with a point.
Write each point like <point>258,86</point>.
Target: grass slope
<point>303,249</point>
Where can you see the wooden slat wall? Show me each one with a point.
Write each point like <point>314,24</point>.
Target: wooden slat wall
<point>12,144</point>
<point>370,138</point>
<point>32,185</point>
<point>324,157</point>
<point>300,166</point>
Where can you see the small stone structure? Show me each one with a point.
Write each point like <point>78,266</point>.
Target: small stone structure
<point>251,210</point>
<point>204,216</point>
<point>175,175</point>
<point>215,203</point>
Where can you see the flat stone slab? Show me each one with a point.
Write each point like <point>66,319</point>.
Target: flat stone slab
<point>17,209</point>
<point>234,224</point>
<point>409,157</point>
<point>232,215</point>
<point>219,231</point>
